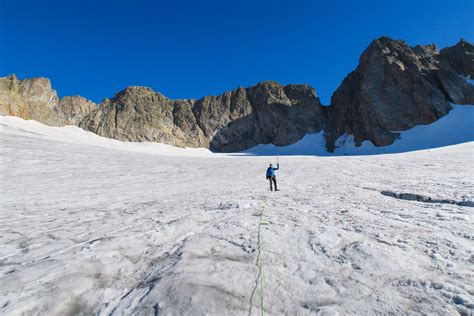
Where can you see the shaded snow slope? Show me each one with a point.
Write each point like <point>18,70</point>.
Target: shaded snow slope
<point>109,231</point>
<point>468,79</point>
<point>454,128</point>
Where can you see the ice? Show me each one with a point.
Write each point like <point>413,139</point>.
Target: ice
<point>95,226</point>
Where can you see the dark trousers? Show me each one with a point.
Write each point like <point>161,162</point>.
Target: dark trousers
<point>274,180</point>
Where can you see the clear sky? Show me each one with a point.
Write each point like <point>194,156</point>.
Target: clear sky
<point>188,49</point>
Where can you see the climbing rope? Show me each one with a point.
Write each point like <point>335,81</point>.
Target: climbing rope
<point>260,257</point>
<point>259,263</point>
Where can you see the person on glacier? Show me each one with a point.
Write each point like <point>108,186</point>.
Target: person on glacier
<point>272,177</point>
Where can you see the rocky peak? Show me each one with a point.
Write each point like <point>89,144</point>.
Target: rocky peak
<point>386,52</point>
<point>460,57</point>
<point>138,94</point>
<point>34,99</point>
<point>394,87</point>
<point>31,99</point>
<point>426,50</point>
<point>10,78</point>
<point>269,92</point>
<point>137,90</point>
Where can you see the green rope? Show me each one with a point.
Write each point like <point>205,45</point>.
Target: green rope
<point>261,274</point>
<point>260,258</point>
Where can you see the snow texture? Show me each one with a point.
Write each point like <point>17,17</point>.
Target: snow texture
<point>95,226</point>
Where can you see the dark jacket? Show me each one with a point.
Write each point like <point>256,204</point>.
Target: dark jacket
<point>271,171</point>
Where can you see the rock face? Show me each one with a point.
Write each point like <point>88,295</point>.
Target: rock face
<point>140,114</point>
<point>34,99</point>
<point>73,109</point>
<point>265,113</point>
<point>30,99</point>
<point>396,87</point>
<point>455,62</point>
<point>234,121</point>
<point>460,57</point>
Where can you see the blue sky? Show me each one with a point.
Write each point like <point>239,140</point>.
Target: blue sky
<point>188,49</point>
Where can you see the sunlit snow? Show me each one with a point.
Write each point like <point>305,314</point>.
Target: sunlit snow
<point>99,227</point>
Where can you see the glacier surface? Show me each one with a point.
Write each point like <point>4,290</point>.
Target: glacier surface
<point>95,226</point>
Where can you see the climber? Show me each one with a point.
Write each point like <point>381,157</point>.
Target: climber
<point>272,177</point>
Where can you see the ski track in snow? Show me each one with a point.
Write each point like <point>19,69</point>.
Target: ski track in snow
<point>96,230</point>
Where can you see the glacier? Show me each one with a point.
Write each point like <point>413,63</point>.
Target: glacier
<point>95,226</point>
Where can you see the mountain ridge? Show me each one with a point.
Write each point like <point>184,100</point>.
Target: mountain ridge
<point>394,87</point>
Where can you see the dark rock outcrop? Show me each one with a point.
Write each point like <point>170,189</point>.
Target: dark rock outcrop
<point>454,63</point>
<point>396,87</point>
<point>460,57</point>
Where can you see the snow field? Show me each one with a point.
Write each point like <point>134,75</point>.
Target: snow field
<point>87,228</point>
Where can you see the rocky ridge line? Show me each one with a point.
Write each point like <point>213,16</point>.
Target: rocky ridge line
<point>394,88</point>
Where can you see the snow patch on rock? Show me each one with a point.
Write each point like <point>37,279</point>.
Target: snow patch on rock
<point>453,128</point>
